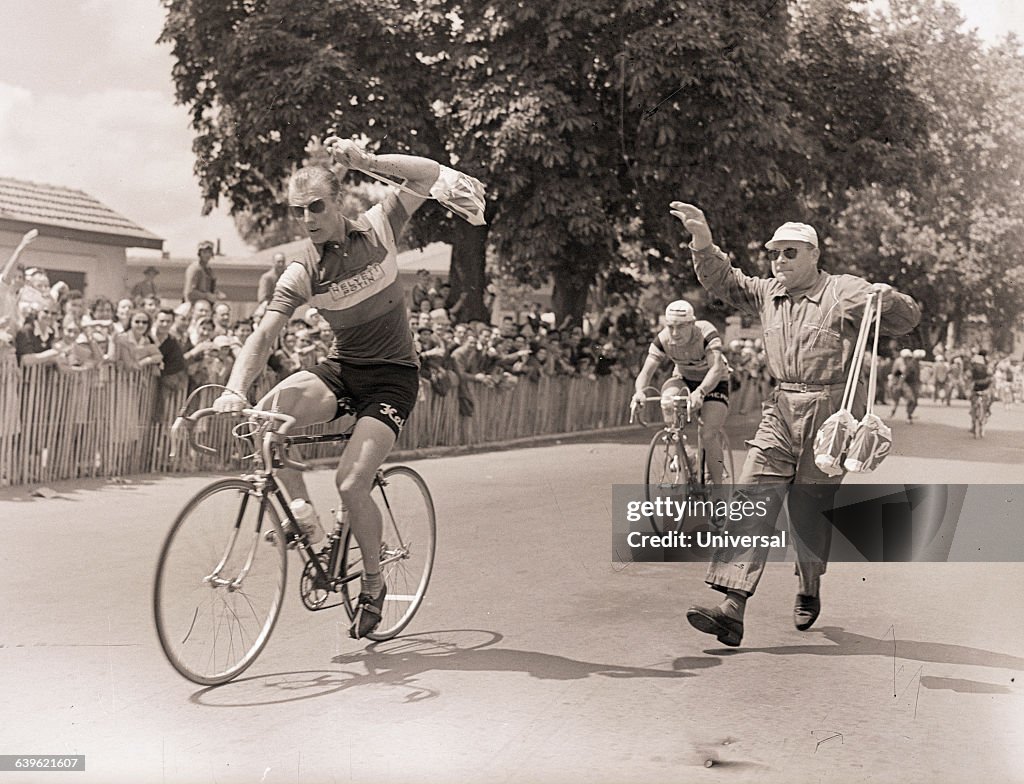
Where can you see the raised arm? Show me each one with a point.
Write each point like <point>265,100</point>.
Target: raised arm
<point>712,266</point>
<point>413,172</point>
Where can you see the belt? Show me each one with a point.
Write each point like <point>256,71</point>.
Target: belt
<point>790,386</point>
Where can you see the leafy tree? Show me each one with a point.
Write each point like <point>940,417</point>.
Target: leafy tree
<point>584,117</point>
<point>263,77</point>
<point>952,234</point>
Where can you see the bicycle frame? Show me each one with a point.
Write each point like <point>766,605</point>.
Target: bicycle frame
<point>211,636</point>
<point>271,454</point>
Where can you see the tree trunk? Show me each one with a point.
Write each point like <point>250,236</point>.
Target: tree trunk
<point>467,274</point>
<point>569,295</point>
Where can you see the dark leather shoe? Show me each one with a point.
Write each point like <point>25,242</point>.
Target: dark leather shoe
<point>729,631</point>
<point>368,614</point>
<point>805,611</point>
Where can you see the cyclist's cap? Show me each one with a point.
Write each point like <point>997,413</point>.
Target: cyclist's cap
<point>920,353</point>
<point>680,312</point>
<point>906,352</point>
<point>205,245</point>
<point>793,232</point>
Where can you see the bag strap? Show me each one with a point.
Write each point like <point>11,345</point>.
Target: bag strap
<point>873,376</point>
<point>858,353</point>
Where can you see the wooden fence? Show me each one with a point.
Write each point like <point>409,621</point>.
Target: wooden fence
<point>59,424</point>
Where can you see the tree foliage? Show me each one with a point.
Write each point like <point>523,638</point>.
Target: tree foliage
<point>953,232</point>
<point>895,136</point>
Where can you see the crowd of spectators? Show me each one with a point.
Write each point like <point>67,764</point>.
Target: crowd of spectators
<point>197,342</point>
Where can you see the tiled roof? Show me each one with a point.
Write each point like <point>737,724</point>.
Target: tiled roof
<point>53,205</point>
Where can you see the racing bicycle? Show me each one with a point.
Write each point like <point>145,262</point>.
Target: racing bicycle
<point>673,467</point>
<point>221,574</point>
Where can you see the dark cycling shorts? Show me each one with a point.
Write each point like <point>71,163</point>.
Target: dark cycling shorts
<point>383,391</point>
<point>719,393</point>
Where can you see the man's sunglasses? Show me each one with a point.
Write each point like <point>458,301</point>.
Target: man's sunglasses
<point>789,253</point>
<point>315,207</point>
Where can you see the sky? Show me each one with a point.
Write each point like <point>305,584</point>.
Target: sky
<point>86,101</point>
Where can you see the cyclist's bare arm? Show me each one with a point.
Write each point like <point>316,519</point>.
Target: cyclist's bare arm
<point>251,360</point>
<point>417,173</point>
<point>718,370</point>
<point>643,380</point>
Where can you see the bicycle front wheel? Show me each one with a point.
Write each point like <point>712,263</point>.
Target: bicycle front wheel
<point>408,543</point>
<point>728,466</point>
<point>220,582</point>
<point>666,475</point>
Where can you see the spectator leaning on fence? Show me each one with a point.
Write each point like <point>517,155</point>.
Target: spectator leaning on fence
<point>33,344</point>
<point>810,321</point>
<point>65,343</point>
<point>95,344</point>
<point>135,348</point>
<point>173,375</point>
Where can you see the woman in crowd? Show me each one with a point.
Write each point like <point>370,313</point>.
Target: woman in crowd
<point>135,348</point>
<point>123,316</point>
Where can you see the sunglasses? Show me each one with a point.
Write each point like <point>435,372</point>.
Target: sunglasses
<point>139,321</point>
<point>315,207</point>
<point>789,253</point>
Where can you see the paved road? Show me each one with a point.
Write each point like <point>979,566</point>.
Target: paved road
<point>534,658</point>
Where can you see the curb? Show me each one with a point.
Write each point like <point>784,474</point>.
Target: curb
<point>491,446</point>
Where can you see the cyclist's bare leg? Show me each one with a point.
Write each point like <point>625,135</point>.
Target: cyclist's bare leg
<point>713,414</point>
<point>307,398</point>
<point>668,406</point>
<point>370,443</point>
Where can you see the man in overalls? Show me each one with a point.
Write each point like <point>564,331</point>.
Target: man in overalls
<point>810,320</point>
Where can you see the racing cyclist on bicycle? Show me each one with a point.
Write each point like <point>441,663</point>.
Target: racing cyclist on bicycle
<point>981,381</point>
<point>696,349</point>
<point>348,271</point>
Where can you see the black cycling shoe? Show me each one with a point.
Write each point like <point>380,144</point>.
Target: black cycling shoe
<point>368,614</point>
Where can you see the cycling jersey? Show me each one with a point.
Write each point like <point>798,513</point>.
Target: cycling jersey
<point>354,285</point>
<point>980,377</point>
<point>691,356</point>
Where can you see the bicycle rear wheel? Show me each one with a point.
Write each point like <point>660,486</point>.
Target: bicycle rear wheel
<point>408,544</point>
<point>219,582</point>
<point>666,475</point>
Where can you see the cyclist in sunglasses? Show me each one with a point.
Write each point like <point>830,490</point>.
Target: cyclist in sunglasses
<point>348,271</point>
<point>810,320</point>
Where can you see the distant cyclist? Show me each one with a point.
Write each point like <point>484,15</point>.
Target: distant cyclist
<point>980,376</point>
<point>696,349</point>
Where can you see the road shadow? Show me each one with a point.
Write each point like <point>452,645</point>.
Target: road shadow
<point>844,643</point>
<point>74,489</point>
<point>400,663</point>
